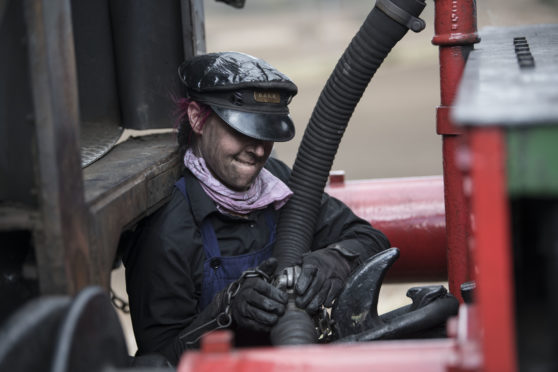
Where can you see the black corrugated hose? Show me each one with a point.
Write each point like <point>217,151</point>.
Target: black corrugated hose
<point>381,30</point>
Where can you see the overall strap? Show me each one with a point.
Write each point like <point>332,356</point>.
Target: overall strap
<point>181,186</point>
<point>270,221</point>
<point>209,239</point>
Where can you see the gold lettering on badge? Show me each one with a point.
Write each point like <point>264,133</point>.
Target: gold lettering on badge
<point>267,97</point>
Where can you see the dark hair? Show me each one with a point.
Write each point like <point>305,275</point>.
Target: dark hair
<point>182,123</point>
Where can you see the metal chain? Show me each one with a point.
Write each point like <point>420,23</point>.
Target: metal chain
<point>234,287</point>
<point>224,319</point>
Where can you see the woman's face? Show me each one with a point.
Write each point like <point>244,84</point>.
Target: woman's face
<point>233,158</point>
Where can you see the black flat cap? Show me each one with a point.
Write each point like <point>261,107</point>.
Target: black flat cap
<point>246,92</point>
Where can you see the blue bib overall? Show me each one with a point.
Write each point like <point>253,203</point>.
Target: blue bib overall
<point>219,271</point>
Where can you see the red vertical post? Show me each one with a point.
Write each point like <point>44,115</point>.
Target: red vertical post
<point>455,28</point>
<point>492,247</point>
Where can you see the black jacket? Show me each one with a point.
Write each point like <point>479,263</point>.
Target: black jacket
<point>164,267</point>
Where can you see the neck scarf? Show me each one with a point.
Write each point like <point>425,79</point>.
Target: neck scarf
<point>265,190</point>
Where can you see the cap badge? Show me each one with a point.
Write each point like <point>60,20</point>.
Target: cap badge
<point>267,97</point>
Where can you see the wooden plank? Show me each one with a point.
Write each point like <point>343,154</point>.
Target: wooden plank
<point>127,184</point>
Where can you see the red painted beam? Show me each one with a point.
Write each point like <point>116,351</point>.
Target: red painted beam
<point>410,211</point>
<point>393,356</point>
<point>460,352</point>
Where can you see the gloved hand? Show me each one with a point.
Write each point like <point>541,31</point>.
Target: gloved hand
<point>322,277</point>
<point>258,304</point>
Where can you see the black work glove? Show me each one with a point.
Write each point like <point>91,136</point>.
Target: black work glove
<point>322,277</point>
<point>258,304</point>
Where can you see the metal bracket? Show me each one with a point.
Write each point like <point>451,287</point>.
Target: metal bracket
<point>287,278</point>
<point>400,15</point>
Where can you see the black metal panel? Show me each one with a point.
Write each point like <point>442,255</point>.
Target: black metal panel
<point>148,47</point>
<point>535,240</point>
<point>100,119</point>
<point>94,51</point>
<point>17,285</point>
<point>16,110</point>
<point>511,78</point>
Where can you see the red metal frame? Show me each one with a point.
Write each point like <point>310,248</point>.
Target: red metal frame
<point>492,247</point>
<point>455,33</point>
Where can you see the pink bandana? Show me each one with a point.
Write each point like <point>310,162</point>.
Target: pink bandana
<point>265,190</point>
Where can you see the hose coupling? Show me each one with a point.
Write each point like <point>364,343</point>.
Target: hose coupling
<point>286,278</point>
<point>400,15</point>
